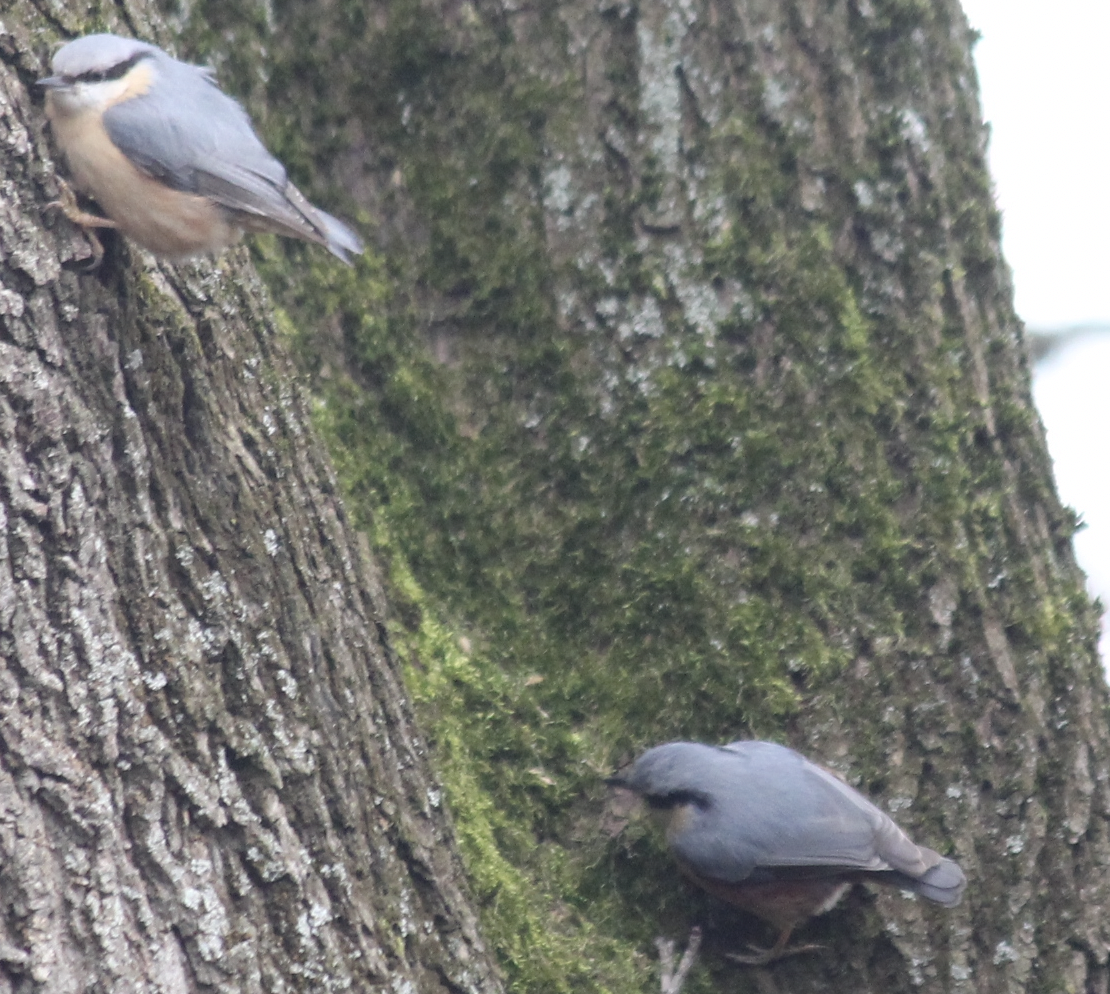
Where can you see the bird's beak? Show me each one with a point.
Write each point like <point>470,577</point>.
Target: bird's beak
<point>52,82</point>
<point>616,781</point>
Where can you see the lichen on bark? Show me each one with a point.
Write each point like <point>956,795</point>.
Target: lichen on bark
<point>696,406</point>
<point>209,771</point>
<point>682,395</point>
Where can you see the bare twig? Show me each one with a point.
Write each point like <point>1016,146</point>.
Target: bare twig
<point>672,979</point>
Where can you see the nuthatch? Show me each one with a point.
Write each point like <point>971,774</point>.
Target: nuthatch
<point>173,161</point>
<point>760,826</point>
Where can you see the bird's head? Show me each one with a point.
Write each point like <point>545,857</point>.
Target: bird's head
<point>97,71</point>
<point>672,781</point>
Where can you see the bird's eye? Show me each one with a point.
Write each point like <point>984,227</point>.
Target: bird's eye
<point>118,71</point>
<point>677,799</point>
<point>693,797</point>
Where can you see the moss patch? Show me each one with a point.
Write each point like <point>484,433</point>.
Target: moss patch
<point>609,521</point>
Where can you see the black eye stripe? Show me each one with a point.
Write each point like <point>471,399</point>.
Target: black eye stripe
<point>117,71</point>
<point>677,799</point>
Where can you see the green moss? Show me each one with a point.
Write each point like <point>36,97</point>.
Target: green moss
<point>624,580</point>
<point>476,714</point>
<point>640,536</point>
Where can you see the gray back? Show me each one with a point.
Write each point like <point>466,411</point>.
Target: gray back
<point>757,805</point>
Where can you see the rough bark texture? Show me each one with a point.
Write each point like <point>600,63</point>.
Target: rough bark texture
<point>209,776</point>
<point>723,426</point>
<point>684,398</point>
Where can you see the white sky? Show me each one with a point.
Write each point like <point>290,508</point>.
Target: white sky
<point>1044,76</point>
<point>1070,391</point>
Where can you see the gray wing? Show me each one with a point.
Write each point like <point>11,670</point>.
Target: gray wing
<point>190,135</point>
<point>774,809</point>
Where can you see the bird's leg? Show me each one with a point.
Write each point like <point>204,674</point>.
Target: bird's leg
<point>67,204</point>
<point>761,957</point>
<point>672,979</point>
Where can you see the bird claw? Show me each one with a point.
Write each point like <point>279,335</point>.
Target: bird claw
<point>672,978</point>
<point>67,204</point>
<point>761,957</point>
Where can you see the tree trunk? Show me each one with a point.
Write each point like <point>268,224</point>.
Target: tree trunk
<point>209,774</point>
<point>723,427</point>
<point>719,424</point>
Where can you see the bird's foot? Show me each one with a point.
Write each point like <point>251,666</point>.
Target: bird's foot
<point>67,204</point>
<point>761,957</point>
<point>672,977</point>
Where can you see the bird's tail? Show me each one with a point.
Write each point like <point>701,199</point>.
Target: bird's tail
<point>306,220</point>
<point>338,238</point>
<point>943,883</point>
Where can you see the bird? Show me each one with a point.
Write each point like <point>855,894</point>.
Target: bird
<point>758,825</point>
<point>170,158</point>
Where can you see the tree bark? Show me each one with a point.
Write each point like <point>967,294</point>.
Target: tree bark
<point>719,425</point>
<point>209,774</point>
<point>732,434</point>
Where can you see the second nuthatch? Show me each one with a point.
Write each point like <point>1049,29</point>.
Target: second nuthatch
<point>172,160</point>
<point>760,826</point>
